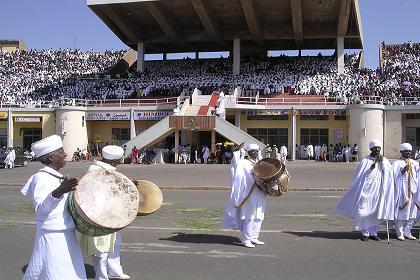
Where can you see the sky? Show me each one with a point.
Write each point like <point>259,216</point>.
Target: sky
<point>54,24</point>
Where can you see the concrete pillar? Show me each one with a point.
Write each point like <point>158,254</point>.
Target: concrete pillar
<point>340,54</point>
<point>140,57</point>
<point>197,55</point>
<point>132,124</point>
<point>176,145</point>
<point>213,141</point>
<point>164,56</point>
<point>9,128</point>
<point>293,133</point>
<point>236,56</point>
<point>72,129</point>
<point>238,118</point>
<point>366,124</point>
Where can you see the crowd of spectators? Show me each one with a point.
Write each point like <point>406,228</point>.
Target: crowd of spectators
<point>31,78</point>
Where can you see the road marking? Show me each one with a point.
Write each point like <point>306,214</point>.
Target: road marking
<point>148,248</point>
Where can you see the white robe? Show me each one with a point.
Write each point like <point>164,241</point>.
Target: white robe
<point>370,198</point>
<point>283,153</point>
<point>56,254</point>
<point>310,151</point>
<point>401,190</point>
<point>253,208</point>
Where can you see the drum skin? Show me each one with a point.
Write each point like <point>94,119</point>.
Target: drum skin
<point>104,202</point>
<point>151,197</point>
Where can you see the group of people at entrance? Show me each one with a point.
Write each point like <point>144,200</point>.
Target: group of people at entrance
<point>381,192</point>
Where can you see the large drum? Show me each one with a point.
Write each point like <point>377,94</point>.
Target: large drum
<point>104,202</point>
<point>271,176</point>
<point>150,197</point>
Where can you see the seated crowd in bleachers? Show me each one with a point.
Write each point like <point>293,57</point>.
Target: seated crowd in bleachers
<point>31,78</point>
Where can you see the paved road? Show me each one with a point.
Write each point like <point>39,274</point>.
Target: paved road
<point>304,240</point>
<point>305,175</point>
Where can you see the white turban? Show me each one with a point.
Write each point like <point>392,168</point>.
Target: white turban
<point>112,152</point>
<point>406,147</point>
<point>374,143</point>
<point>252,147</point>
<point>47,145</point>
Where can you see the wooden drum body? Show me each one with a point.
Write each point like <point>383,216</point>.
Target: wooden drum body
<point>271,176</point>
<point>104,202</point>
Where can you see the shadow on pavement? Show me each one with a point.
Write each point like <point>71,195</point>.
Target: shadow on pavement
<point>90,271</point>
<point>326,234</point>
<point>203,238</point>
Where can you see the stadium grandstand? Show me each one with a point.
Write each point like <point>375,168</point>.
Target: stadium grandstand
<point>118,97</point>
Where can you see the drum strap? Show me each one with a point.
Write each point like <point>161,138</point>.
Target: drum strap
<point>54,175</point>
<point>246,198</point>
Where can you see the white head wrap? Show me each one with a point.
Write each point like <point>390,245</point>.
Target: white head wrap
<point>406,147</point>
<point>47,145</point>
<point>112,152</point>
<point>252,147</point>
<point>374,143</point>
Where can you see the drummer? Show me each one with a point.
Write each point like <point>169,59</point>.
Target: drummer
<point>245,208</point>
<point>105,250</point>
<point>56,253</point>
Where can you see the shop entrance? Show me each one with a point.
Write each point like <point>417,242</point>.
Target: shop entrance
<point>30,135</point>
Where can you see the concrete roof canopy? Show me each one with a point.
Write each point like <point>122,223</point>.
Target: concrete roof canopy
<point>169,26</point>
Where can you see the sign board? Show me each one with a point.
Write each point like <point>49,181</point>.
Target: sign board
<point>315,112</point>
<point>3,115</point>
<point>108,116</point>
<point>27,119</point>
<point>152,115</point>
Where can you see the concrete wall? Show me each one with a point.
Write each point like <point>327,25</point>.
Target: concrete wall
<point>393,134</point>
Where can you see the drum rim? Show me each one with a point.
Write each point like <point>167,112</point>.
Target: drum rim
<point>274,176</point>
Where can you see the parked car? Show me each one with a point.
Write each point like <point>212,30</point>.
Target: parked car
<point>21,158</point>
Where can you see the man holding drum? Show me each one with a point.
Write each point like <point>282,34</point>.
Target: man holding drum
<point>105,250</point>
<point>56,254</point>
<point>245,208</point>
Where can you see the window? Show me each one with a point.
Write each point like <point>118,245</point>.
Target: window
<point>272,136</point>
<point>3,137</point>
<point>267,117</point>
<point>315,136</point>
<point>314,117</point>
<point>340,118</point>
<point>412,116</point>
<point>120,136</point>
<point>412,135</point>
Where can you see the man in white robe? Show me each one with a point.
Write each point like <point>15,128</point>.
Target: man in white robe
<point>283,153</point>
<point>370,199</point>
<point>310,151</point>
<point>317,152</point>
<point>406,180</point>
<point>105,250</point>
<point>246,206</point>
<point>206,153</point>
<point>56,254</point>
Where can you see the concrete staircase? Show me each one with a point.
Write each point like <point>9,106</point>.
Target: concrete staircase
<point>151,135</point>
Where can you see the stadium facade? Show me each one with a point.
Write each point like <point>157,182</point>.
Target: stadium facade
<point>241,27</point>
